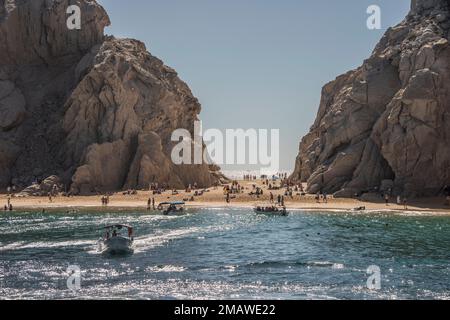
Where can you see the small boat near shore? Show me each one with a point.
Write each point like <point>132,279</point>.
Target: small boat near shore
<point>271,210</point>
<point>116,241</point>
<point>169,208</point>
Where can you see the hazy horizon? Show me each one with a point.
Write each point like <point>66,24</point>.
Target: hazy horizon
<point>256,64</point>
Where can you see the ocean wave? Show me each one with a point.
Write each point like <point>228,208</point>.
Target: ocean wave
<point>21,245</point>
<point>285,264</point>
<point>162,237</point>
<point>168,269</point>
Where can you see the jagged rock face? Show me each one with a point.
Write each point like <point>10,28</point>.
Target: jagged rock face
<point>35,32</point>
<point>388,119</point>
<point>128,104</point>
<point>96,111</point>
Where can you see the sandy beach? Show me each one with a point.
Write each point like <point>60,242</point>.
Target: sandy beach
<point>214,197</point>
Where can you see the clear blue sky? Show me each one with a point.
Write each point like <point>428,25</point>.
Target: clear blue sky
<point>256,63</point>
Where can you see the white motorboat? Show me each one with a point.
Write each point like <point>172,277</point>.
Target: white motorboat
<point>168,208</point>
<point>116,241</point>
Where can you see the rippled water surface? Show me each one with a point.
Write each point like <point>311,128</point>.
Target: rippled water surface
<point>227,254</point>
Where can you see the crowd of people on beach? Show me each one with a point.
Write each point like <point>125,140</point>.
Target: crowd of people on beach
<point>280,200</point>
<point>248,177</point>
<point>399,200</point>
<point>279,189</point>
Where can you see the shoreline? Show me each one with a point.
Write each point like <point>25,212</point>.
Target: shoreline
<point>91,203</point>
<point>215,198</point>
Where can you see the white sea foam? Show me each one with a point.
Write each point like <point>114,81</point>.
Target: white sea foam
<point>43,245</point>
<point>168,269</point>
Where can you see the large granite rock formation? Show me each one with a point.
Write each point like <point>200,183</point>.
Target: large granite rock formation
<point>387,123</point>
<point>96,111</point>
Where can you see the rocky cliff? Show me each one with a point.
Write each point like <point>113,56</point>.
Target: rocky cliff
<point>96,111</point>
<point>386,125</point>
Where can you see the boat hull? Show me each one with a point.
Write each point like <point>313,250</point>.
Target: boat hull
<point>173,213</point>
<point>118,245</point>
<point>272,213</point>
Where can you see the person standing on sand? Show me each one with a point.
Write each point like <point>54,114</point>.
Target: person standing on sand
<point>325,198</point>
<point>153,204</point>
<point>399,200</point>
<point>386,199</point>
<point>105,200</point>
<point>282,201</point>
<point>318,197</point>
<point>405,203</point>
<point>149,203</point>
<point>271,197</point>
